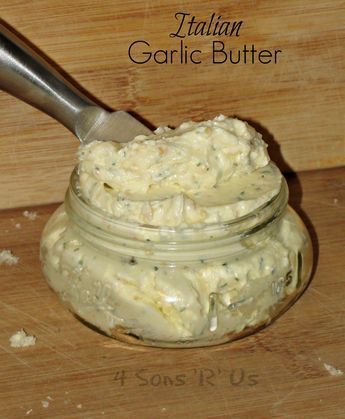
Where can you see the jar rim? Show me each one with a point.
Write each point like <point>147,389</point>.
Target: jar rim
<point>248,221</point>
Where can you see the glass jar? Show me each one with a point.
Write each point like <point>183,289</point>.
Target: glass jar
<point>176,287</point>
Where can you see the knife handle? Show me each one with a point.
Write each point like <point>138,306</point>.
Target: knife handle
<point>27,76</point>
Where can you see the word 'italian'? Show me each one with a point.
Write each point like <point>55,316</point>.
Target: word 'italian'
<point>214,26</point>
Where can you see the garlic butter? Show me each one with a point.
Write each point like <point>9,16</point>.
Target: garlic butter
<point>181,238</point>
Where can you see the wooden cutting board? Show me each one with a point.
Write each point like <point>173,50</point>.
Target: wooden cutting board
<point>288,370</point>
<point>285,371</point>
<point>297,104</point>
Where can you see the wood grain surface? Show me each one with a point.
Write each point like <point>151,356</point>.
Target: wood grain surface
<point>277,373</point>
<point>298,103</point>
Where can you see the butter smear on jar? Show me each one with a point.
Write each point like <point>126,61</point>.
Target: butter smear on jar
<point>180,238</point>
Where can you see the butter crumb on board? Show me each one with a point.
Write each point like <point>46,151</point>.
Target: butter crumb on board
<point>18,226</point>
<point>45,403</point>
<point>30,215</point>
<point>332,370</point>
<point>8,258</point>
<point>21,339</point>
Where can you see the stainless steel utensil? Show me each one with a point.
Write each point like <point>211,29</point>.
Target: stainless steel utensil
<point>29,77</point>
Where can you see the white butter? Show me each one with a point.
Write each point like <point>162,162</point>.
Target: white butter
<point>8,258</point>
<point>202,172</point>
<point>21,339</point>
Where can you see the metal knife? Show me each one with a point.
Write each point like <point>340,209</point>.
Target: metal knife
<point>29,77</point>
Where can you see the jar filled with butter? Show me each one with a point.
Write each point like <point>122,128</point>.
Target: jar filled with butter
<point>182,238</point>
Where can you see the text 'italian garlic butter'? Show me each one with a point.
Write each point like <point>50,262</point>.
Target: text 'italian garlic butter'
<point>181,238</point>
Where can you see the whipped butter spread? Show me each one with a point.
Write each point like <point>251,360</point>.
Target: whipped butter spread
<point>202,172</point>
<point>190,177</point>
